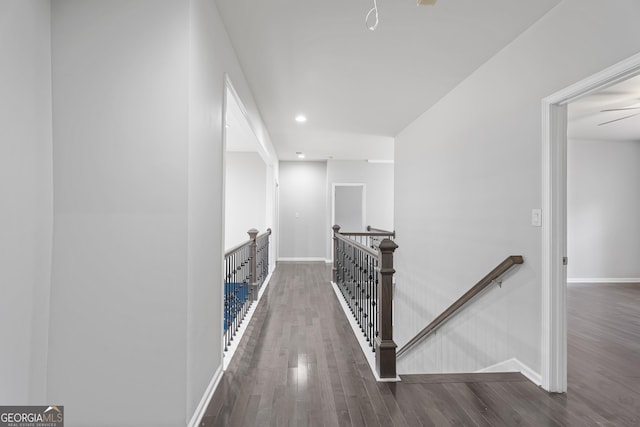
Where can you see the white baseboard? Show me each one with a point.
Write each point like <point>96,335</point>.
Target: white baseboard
<point>302,259</point>
<point>265,284</point>
<point>196,419</point>
<point>603,280</point>
<point>364,345</point>
<point>514,365</point>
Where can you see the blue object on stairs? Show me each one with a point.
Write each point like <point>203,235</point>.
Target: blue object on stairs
<point>235,296</point>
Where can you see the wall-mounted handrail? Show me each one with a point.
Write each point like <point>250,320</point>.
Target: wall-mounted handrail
<point>492,277</point>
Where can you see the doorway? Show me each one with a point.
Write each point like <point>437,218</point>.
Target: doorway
<point>349,208</point>
<point>554,228</point>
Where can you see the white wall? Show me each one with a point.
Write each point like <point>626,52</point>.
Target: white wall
<point>303,222</point>
<point>119,281</point>
<point>213,62</point>
<point>306,189</point>
<point>137,129</point>
<point>245,196</point>
<point>25,199</point>
<point>272,211</point>
<point>379,181</point>
<point>468,173</point>
<point>603,210</point>
<point>211,57</point>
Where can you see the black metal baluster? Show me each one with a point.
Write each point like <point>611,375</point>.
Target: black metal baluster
<point>367,300</point>
<point>355,284</point>
<point>245,283</point>
<point>234,301</point>
<point>358,260</point>
<point>372,301</point>
<point>376,301</point>
<point>232,296</point>
<point>349,281</point>
<point>361,290</point>
<point>225,315</point>
<point>359,284</point>
<point>238,282</point>
<point>365,295</point>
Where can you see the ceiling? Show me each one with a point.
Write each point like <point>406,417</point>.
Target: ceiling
<point>359,88</point>
<point>585,115</point>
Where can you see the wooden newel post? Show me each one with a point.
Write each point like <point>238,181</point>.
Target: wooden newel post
<point>253,287</point>
<point>336,230</point>
<point>385,346</point>
<point>268,255</point>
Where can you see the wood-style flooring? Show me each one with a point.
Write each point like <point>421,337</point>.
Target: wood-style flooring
<point>603,346</point>
<point>299,364</point>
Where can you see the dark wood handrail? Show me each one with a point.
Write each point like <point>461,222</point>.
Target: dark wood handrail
<point>371,231</point>
<point>366,233</point>
<point>239,246</point>
<point>381,231</point>
<point>495,274</point>
<point>360,246</point>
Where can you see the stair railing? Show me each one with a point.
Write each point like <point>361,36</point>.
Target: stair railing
<point>246,268</point>
<point>372,237</point>
<point>364,275</point>
<point>493,277</point>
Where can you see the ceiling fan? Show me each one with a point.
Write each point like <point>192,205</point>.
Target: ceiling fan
<point>620,118</point>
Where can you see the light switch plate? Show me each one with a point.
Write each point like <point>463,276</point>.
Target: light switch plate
<point>536,217</point>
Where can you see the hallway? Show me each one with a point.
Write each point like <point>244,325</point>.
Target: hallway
<point>299,364</point>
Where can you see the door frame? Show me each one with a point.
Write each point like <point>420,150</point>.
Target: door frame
<point>554,217</point>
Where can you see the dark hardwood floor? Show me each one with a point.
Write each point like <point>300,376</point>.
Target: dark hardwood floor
<point>603,343</point>
<point>299,364</point>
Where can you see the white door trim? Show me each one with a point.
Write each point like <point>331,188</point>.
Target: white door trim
<point>554,217</point>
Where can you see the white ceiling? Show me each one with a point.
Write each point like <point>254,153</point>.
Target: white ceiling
<point>585,115</point>
<point>359,88</point>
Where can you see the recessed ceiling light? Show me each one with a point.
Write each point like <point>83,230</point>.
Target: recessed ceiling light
<point>300,154</point>
<point>300,118</point>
